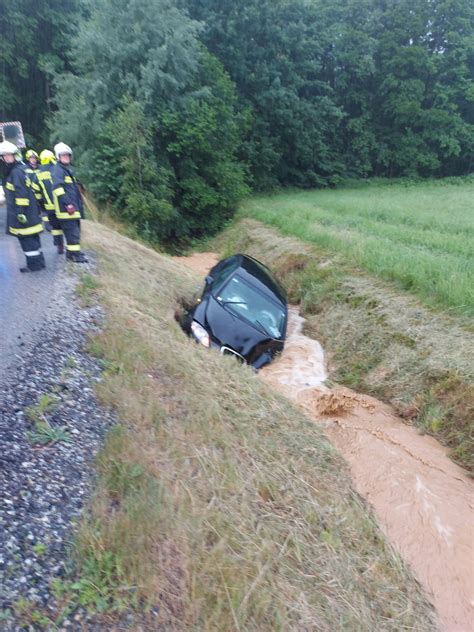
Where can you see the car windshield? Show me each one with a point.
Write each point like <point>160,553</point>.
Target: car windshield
<point>243,300</point>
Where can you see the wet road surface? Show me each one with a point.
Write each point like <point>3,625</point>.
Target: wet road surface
<point>23,297</point>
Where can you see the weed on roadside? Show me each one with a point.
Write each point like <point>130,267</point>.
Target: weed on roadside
<point>43,432</point>
<point>86,289</point>
<point>31,617</point>
<point>39,549</point>
<point>47,404</point>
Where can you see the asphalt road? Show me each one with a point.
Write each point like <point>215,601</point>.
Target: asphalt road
<point>24,298</point>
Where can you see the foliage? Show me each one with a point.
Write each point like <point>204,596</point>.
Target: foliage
<point>35,36</point>
<point>200,136</point>
<point>173,105</point>
<point>353,87</point>
<point>44,433</point>
<point>424,101</point>
<point>152,117</point>
<point>144,184</point>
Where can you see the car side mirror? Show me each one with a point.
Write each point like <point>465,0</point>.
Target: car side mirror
<point>209,279</point>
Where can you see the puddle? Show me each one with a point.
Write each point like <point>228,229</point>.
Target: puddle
<point>423,502</point>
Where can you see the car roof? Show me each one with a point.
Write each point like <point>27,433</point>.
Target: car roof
<point>262,276</point>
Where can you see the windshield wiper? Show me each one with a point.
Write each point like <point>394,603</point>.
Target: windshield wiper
<point>264,329</point>
<point>233,302</point>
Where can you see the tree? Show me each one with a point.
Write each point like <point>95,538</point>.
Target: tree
<point>200,135</point>
<point>273,51</point>
<point>35,36</point>
<point>424,84</point>
<point>351,87</point>
<point>143,90</point>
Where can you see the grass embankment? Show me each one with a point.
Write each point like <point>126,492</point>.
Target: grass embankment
<point>218,505</point>
<point>420,236</point>
<point>379,340</point>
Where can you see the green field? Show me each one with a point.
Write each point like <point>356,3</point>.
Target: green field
<point>420,236</point>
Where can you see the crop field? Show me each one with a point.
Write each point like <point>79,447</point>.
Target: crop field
<point>420,236</point>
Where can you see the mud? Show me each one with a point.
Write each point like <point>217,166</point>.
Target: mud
<point>199,262</point>
<point>423,502</point>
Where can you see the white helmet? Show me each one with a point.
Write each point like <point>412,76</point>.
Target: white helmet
<point>62,148</point>
<point>6,147</point>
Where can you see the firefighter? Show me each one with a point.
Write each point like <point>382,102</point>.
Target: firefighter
<point>45,180</point>
<point>32,160</point>
<point>68,203</point>
<point>32,169</point>
<point>23,217</point>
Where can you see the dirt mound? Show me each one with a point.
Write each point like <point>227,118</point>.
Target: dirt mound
<point>338,402</point>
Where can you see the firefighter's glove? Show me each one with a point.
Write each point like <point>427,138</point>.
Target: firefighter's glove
<point>71,209</point>
<point>21,217</point>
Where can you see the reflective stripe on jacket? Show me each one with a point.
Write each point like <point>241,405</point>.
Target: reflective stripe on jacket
<point>46,183</point>
<point>20,195</point>
<point>65,192</point>
<point>33,175</point>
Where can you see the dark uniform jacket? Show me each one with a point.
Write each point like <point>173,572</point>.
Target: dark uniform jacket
<point>33,173</point>
<point>45,180</point>
<point>65,192</point>
<point>22,196</point>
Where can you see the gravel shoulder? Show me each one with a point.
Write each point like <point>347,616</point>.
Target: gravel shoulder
<point>44,487</point>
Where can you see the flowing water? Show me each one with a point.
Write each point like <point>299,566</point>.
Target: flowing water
<point>423,502</point>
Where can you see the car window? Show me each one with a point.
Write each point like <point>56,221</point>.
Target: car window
<point>221,272</point>
<point>244,301</point>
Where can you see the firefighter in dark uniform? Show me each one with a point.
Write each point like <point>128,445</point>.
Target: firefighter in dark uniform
<point>23,217</point>
<point>32,169</point>
<point>32,162</point>
<point>45,180</point>
<point>68,202</point>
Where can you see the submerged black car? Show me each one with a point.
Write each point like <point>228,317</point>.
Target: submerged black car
<point>242,311</point>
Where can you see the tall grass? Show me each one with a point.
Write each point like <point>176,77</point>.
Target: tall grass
<point>218,505</point>
<point>421,236</point>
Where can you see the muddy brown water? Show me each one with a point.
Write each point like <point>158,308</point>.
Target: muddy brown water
<point>423,502</point>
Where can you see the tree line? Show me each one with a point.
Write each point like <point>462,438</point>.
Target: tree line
<point>177,108</point>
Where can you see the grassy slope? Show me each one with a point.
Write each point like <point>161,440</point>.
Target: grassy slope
<point>379,341</point>
<point>420,236</point>
<point>216,499</point>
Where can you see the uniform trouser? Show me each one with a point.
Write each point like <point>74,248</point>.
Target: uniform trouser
<point>31,246</point>
<point>56,230</point>
<point>46,222</point>
<point>72,232</point>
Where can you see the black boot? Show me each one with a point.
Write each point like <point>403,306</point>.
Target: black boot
<point>76,257</point>
<point>34,264</point>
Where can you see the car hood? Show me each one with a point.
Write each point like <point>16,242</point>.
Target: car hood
<point>228,329</point>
